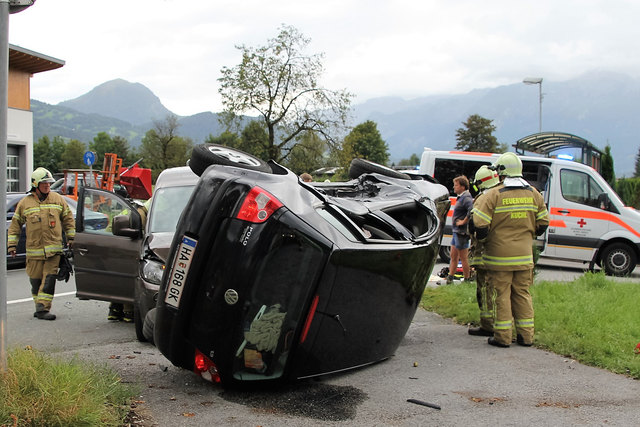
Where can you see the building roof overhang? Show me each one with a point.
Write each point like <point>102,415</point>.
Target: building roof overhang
<point>30,61</point>
<point>547,142</point>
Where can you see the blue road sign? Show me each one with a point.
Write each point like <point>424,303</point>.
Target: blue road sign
<point>89,158</point>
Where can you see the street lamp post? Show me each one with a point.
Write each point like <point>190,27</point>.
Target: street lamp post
<point>536,81</point>
<point>6,7</point>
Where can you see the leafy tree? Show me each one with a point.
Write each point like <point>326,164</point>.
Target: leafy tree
<point>414,160</point>
<point>636,173</point>
<point>364,141</point>
<point>607,167</point>
<point>163,148</point>
<point>254,140</point>
<point>102,143</point>
<point>227,138</point>
<point>281,84</point>
<point>477,135</point>
<point>73,155</point>
<point>308,155</point>
<point>48,153</point>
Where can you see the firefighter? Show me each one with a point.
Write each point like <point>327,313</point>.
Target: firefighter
<point>507,219</point>
<point>46,216</point>
<point>484,179</point>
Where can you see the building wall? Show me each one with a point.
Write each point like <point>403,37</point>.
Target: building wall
<point>19,90</point>
<point>20,144</point>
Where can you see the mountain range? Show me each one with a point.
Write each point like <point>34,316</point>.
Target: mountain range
<point>599,106</point>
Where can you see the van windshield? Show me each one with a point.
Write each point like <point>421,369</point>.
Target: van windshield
<point>167,206</point>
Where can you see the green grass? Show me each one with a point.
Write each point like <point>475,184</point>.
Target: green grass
<point>38,390</point>
<point>593,319</point>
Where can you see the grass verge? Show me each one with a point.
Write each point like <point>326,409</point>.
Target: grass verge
<point>38,390</point>
<point>593,319</point>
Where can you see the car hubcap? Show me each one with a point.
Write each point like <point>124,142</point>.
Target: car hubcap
<point>235,156</point>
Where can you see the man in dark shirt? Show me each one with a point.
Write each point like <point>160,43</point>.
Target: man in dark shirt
<point>460,240</point>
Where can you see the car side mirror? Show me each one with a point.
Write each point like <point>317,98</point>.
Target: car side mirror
<point>121,227</point>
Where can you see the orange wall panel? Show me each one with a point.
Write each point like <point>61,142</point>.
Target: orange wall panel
<point>19,93</point>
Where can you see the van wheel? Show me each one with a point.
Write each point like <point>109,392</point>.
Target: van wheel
<point>445,254</point>
<point>138,323</point>
<point>618,259</point>
<point>360,166</point>
<point>205,155</point>
<point>147,327</point>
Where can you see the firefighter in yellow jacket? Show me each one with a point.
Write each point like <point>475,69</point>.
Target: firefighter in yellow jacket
<point>46,216</point>
<point>507,219</point>
<point>484,179</point>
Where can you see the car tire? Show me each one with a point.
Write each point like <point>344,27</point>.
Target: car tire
<point>618,259</point>
<point>360,166</point>
<point>205,155</point>
<point>147,327</point>
<point>445,254</point>
<point>138,323</point>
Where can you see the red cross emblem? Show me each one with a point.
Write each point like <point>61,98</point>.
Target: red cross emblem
<point>582,222</point>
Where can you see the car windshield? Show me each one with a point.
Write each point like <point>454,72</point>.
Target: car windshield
<point>167,205</point>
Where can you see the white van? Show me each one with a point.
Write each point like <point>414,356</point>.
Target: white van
<point>588,220</point>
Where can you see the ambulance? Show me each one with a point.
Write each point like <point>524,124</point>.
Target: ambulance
<point>588,220</point>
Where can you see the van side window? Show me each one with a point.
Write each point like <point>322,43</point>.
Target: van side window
<point>444,170</point>
<point>579,187</point>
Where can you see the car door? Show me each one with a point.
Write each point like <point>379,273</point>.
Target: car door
<point>106,265</point>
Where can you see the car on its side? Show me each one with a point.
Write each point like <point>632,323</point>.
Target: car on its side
<point>124,261</point>
<point>272,279</point>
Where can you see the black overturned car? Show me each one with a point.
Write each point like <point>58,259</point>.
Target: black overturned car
<point>269,278</point>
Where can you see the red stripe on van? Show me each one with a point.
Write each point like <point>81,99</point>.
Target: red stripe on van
<point>557,223</point>
<point>604,216</point>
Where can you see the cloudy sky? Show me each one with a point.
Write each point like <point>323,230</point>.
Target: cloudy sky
<point>372,48</point>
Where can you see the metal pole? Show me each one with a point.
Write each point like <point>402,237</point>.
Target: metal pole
<point>540,115</point>
<point>4,106</point>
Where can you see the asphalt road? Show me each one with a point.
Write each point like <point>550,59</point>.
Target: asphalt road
<point>437,363</point>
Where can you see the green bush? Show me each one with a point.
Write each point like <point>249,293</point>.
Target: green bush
<point>629,191</point>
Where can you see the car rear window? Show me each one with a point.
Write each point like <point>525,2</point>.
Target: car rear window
<point>167,206</point>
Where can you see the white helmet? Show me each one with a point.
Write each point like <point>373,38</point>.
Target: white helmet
<point>509,164</point>
<point>41,175</point>
<point>486,178</point>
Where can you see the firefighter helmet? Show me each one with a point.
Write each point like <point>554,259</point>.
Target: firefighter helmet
<point>509,164</point>
<point>41,175</point>
<point>486,178</point>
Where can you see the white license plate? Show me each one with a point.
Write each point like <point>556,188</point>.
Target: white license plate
<point>179,271</point>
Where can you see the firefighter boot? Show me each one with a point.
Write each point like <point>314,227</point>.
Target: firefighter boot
<point>43,314</point>
<point>115,311</point>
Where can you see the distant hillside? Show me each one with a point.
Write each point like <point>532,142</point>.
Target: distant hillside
<point>54,120</point>
<point>600,106</point>
<point>131,102</point>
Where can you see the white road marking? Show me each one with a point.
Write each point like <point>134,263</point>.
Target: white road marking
<point>16,301</point>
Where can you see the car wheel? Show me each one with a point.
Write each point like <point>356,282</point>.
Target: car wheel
<point>360,166</point>
<point>618,259</point>
<point>445,254</point>
<point>205,155</point>
<point>147,327</point>
<point>138,323</point>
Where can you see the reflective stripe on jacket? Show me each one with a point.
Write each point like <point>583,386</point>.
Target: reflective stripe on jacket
<point>45,222</point>
<point>511,215</point>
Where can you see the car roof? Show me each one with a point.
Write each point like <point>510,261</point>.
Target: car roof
<point>176,177</point>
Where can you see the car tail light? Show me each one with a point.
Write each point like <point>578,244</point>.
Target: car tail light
<point>258,206</point>
<point>205,367</point>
